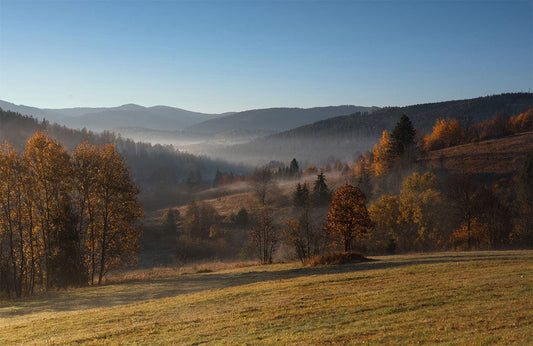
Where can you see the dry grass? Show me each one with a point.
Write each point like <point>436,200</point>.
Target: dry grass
<point>457,298</point>
<point>498,156</point>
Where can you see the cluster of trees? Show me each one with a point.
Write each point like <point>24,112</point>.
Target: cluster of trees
<point>394,151</point>
<point>461,213</point>
<point>64,219</point>
<point>449,132</point>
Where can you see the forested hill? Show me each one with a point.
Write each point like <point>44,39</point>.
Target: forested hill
<point>423,116</point>
<point>344,137</point>
<point>164,174</point>
<point>275,119</point>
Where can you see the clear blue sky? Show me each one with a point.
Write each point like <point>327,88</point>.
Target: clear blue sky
<point>217,56</point>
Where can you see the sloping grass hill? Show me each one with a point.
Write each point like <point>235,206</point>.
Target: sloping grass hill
<point>460,298</point>
<point>495,156</point>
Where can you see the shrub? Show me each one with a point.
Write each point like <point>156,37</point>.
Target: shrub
<point>337,258</point>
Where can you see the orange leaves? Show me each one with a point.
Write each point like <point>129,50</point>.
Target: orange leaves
<point>348,217</point>
<point>446,133</point>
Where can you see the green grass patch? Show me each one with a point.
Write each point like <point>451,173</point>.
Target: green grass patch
<point>457,298</point>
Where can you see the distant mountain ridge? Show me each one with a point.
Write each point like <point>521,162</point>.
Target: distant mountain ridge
<point>108,118</point>
<point>166,118</point>
<point>275,119</point>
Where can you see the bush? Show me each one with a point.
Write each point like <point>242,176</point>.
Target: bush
<point>337,258</point>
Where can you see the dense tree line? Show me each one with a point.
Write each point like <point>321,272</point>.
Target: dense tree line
<point>448,132</point>
<point>165,175</point>
<point>64,219</point>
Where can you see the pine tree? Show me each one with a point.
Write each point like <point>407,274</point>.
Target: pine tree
<point>403,135</point>
<point>321,194</point>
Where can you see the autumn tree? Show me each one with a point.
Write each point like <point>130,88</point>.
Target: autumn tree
<point>49,183</point>
<point>363,173</point>
<point>118,213</point>
<point>421,208</point>
<point>383,155</point>
<point>200,218</point>
<point>14,240</point>
<point>522,122</point>
<point>386,217</point>
<point>462,196</point>
<point>263,185</point>
<point>446,133</point>
<point>523,232</point>
<point>265,236</point>
<point>64,219</point>
<point>348,217</point>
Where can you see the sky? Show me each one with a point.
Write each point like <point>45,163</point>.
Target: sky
<point>221,56</point>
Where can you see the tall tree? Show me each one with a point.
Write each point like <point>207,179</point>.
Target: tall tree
<point>263,185</point>
<point>403,135</point>
<point>300,233</point>
<point>321,194</point>
<point>348,217</point>
<point>294,168</point>
<point>119,213</point>
<point>524,226</point>
<point>462,196</point>
<point>50,182</point>
<point>265,236</point>
<point>383,154</point>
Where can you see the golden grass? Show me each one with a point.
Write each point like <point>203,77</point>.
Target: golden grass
<point>499,156</point>
<point>454,298</point>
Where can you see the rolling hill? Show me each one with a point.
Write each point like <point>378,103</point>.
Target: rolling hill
<point>452,298</point>
<point>275,119</point>
<point>131,115</point>
<point>500,156</point>
<point>345,137</point>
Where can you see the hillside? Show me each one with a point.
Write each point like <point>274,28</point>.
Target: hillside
<point>458,298</point>
<point>345,137</point>
<point>274,119</point>
<point>108,118</point>
<point>161,171</point>
<point>501,156</point>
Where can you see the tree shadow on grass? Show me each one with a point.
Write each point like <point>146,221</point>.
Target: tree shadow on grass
<point>137,291</point>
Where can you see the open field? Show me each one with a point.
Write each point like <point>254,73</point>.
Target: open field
<point>461,298</point>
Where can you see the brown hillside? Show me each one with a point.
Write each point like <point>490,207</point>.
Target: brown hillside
<point>495,156</point>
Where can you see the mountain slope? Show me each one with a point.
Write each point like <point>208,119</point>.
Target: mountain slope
<point>274,119</point>
<point>494,156</point>
<point>158,118</point>
<point>345,137</point>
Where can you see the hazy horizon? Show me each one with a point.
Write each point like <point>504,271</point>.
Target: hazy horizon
<point>218,57</point>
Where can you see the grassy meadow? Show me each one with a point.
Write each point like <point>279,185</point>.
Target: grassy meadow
<point>457,298</point>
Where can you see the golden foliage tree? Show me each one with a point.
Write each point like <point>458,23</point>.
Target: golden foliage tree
<point>383,155</point>
<point>385,214</point>
<point>446,133</point>
<point>64,219</point>
<point>522,122</point>
<point>348,218</point>
<point>49,184</point>
<point>421,207</point>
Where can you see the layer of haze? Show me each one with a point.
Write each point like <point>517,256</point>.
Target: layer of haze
<point>219,56</point>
